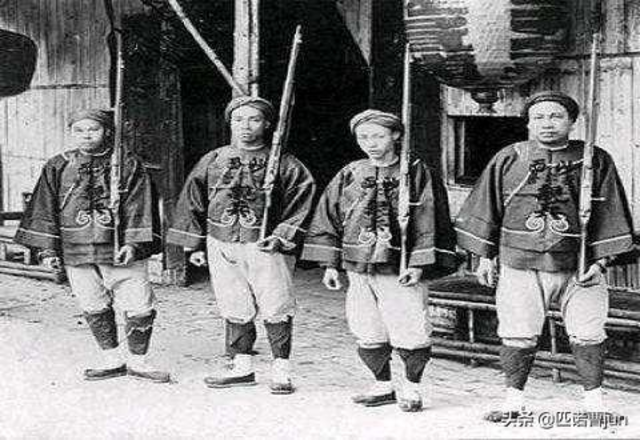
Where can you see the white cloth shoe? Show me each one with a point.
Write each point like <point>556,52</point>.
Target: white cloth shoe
<point>138,366</point>
<point>513,401</point>
<point>109,365</point>
<point>592,401</point>
<point>240,374</point>
<point>281,377</point>
<point>410,399</point>
<point>378,394</point>
<point>112,358</point>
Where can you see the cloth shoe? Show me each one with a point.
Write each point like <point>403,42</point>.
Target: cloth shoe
<point>139,368</point>
<point>281,377</point>
<point>380,393</point>
<point>410,399</point>
<point>593,402</point>
<point>111,365</point>
<point>240,374</point>
<point>512,406</point>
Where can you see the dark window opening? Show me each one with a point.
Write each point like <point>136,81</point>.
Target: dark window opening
<point>478,139</point>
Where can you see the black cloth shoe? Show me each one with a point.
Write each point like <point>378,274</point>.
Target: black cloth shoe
<point>371,400</point>
<point>230,381</point>
<point>152,376</point>
<point>105,373</point>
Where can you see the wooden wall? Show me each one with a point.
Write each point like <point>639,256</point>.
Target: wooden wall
<point>72,72</point>
<point>357,16</point>
<point>619,116</point>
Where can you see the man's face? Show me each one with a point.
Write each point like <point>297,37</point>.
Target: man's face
<point>88,135</point>
<point>376,141</point>
<point>248,125</point>
<point>549,123</point>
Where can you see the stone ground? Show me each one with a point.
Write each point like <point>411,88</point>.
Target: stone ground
<point>44,345</point>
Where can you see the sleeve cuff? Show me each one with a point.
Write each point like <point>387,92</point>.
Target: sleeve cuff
<point>288,233</point>
<point>328,256</point>
<point>185,239</point>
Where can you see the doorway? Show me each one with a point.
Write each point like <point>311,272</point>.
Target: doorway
<point>332,84</point>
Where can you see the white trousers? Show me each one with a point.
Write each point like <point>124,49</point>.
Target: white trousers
<point>247,281</point>
<point>380,311</point>
<point>99,286</point>
<point>524,296</point>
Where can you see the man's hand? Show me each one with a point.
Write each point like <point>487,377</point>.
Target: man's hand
<point>53,263</point>
<point>198,259</point>
<point>592,276</point>
<point>487,272</point>
<point>125,255</point>
<point>331,279</point>
<point>410,277</point>
<point>270,244</point>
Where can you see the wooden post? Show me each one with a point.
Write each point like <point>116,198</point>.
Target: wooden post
<point>246,52</point>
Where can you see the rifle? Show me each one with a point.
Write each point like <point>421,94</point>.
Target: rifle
<point>115,181</point>
<point>206,48</point>
<point>404,190</point>
<point>281,131</point>
<point>114,41</point>
<point>591,119</point>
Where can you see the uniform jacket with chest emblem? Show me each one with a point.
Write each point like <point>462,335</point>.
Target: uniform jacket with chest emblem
<point>525,208</point>
<point>355,225</point>
<point>223,198</point>
<point>70,211</point>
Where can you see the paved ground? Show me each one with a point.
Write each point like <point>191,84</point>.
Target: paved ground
<point>44,345</point>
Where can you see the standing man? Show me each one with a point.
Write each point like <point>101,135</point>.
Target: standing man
<point>222,207</point>
<point>70,219</point>
<point>355,227</point>
<point>524,213</point>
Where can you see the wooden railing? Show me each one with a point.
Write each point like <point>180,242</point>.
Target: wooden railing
<point>19,260</point>
<point>465,324</point>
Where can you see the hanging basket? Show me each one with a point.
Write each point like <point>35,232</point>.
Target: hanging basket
<point>485,45</point>
<point>18,55</point>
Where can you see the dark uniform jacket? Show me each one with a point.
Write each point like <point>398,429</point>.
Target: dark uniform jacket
<point>223,197</point>
<point>70,211</point>
<point>525,209</point>
<point>355,225</point>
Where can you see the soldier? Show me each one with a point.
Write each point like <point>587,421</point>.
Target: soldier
<point>70,220</point>
<point>221,207</point>
<point>355,227</point>
<point>523,213</point>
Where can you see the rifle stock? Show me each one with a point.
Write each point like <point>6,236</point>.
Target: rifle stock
<point>404,192</point>
<point>281,131</point>
<point>586,182</point>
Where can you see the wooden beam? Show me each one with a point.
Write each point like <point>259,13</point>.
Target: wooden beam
<point>246,45</point>
<point>237,90</point>
<point>254,55</point>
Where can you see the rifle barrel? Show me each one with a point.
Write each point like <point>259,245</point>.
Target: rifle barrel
<point>280,133</point>
<point>116,156</point>
<point>405,152</point>
<point>586,183</point>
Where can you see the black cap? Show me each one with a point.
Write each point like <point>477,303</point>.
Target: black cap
<point>564,100</point>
